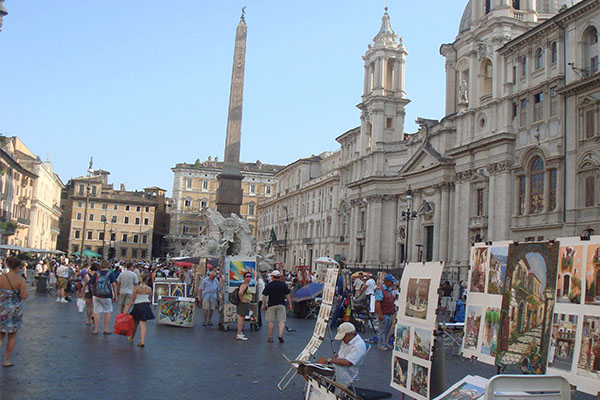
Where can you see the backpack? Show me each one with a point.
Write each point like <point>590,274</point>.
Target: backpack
<point>234,297</point>
<point>102,287</point>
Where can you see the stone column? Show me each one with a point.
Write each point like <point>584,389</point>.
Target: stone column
<point>444,222</point>
<point>366,83</point>
<point>437,219</point>
<point>378,74</point>
<point>450,87</point>
<point>373,232</point>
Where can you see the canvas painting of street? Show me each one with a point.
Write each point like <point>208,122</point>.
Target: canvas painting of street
<point>562,341</point>
<point>422,343</point>
<point>592,275</point>
<point>402,338</point>
<point>489,339</point>
<point>570,267</point>
<point>417,297</point>
<point>478,262</point>
<point>497,270</point>
<point>466,391</point>
<point>588,364</point>
<point>400,372</point>
<point>472,325</point>
<point>419,380</point>
<point>527,304</point>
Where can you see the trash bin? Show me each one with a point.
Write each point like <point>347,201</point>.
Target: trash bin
<point>41,283</point>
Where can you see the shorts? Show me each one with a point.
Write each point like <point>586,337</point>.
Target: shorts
<point>276,313</point>
<point>124,298</point>
<point>102,305</point>
<point>242,309</point>
<point>208,305</point>
<point>87,295</point>
<point>61,283</point>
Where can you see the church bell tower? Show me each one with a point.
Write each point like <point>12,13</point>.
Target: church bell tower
<point>384,98</point>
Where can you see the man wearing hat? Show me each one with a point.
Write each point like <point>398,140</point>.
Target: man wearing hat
<point>385,309</point>
<point>349,359</point>
<point>277,291</point>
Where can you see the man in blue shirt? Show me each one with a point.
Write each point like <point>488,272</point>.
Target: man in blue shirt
<point>459,316</point>
<point>385,309</point>
<point>208,293</point>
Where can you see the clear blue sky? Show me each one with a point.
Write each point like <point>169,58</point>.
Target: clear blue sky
<point>143,85</point>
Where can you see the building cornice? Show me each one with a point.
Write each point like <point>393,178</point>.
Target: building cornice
<point>498,138</point>
<point>592,82</point>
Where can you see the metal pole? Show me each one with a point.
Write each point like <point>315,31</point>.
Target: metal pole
<point>104,239</point>
<point>406,237</point>
<point>87,200</point>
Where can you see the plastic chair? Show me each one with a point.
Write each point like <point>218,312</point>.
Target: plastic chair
<point>528,387</point>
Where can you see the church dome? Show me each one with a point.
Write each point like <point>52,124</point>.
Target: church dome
<point>465,21</point>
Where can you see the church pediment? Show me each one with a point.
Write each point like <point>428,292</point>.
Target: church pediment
<point>424,159</point>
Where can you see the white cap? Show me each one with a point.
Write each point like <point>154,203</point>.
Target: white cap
<point>276,273</point>
<point>343,329</point>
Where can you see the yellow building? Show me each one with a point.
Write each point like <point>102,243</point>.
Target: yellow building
<point>195,186</point>
<point>118,223</point>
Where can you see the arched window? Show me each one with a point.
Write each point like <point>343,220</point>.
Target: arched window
<point>591,50</point>
<point>539,58</point>
<point>488,6</point>
<point>536,187</point>
<point>554,52</point>
<point>588,183</point>
<point>485,74</point>
<point>516,4</point>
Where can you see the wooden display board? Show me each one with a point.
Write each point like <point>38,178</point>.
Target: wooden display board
<point>416,321</point>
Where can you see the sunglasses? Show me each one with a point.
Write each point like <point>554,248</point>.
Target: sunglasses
<point>247,276</point>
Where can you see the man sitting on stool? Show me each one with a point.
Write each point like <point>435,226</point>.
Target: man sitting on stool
<point>348,361</point>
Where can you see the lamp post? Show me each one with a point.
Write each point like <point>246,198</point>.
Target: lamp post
<point>407,216</point>
<point>87,200</point>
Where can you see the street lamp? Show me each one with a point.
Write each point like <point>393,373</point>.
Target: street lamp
<point>407,216</point>
<point>87,200</point>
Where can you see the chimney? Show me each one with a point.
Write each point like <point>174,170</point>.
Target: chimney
<point>122,187</point>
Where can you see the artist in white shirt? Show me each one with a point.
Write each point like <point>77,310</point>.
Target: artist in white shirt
<point>349,359</point>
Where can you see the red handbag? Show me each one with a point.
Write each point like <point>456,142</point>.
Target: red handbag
<point>123,325</point>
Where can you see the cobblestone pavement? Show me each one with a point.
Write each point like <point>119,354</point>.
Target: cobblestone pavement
<point>57,358</point>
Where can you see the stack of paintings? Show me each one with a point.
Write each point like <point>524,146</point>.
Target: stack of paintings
<point>484,299</point>
<point>323,316</point>
<point>574,350</point>
<point>416,322</point>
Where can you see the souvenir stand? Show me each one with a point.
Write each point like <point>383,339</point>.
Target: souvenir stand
<point>233,269</point>
<point>177,311</point>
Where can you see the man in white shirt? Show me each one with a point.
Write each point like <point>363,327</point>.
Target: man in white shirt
<point>358,284</point>
<point>370,285</point>
<point>62,275</point>
<point>125,283</point>
<point>349,359</point>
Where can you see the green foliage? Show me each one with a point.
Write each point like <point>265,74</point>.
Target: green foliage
<point>492,317</point>
<point>531,299</point>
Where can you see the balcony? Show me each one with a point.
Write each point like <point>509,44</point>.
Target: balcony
<point>516,14</point>
<point>23,221</point>
<point>279,243</point>
<point>9,228</point>
<point>479,222</point>
<point>307,241</point>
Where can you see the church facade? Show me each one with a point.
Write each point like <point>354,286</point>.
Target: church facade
<point>515,156</point>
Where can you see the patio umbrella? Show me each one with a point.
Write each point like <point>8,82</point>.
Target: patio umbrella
<point>184,264</point>
<point>326,260</point>
<point>308,292</point>
<point>87,253</point>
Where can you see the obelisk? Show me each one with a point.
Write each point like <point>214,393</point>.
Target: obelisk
<point>229,193</point>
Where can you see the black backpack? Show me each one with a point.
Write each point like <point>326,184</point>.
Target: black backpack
<point>234,297</point>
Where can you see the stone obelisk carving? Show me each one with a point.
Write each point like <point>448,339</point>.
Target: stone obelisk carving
<point>230,194</point>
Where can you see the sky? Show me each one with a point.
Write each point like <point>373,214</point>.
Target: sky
<point>144,85</point>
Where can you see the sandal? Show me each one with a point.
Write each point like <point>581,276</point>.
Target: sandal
<point>8,365</point>
<point>140,345</point>
<point>130,339</point>
<point>270,340</point>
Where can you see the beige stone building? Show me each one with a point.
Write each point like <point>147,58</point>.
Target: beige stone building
<point>45,204</point>
<point>515,156</point>
<point>304,212</point>
<point>16,188</point>
<point>195,186</point>
<point>118,223</point>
